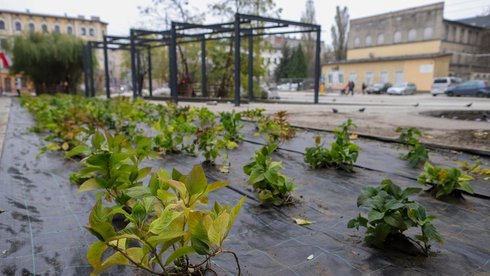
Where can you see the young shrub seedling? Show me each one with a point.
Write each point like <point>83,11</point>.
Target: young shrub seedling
<point>232,124</point>
<point>253,114</point>
<point>276,130</point>
<point>265,177</point>
<point>445,181</point>
<point>167,224</point>
<point>391,213</point>
<point>417,152</point>
<point>342,154</point>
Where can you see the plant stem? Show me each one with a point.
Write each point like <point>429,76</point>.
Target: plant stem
<point>236,260</point>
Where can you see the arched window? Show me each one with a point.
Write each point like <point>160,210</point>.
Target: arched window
<point>357,42</point>
<point>32,27</point>
<point>57,29</point>
<point>44,28</point>
<point>2,25</point>
<point>428,33</point>
<point>412,35</point>
<point>397,37</point>
<point>91,32</point>
<point>18,26</point>
<point>83,31</point>
<point>368,40</point>
<point>381,39</point>
<point>69,30</point>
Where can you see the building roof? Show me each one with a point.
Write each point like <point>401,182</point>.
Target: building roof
<point>80,18</point>
<point>438,5</point>
<point>478,21</point>
<point>393,58</point>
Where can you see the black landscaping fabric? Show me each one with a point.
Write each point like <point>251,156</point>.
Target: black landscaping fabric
<point>41,230</point>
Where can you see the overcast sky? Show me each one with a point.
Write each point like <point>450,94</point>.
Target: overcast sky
<point>122,14</point>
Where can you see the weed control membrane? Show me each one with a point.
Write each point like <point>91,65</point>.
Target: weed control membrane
<point>41,230</point>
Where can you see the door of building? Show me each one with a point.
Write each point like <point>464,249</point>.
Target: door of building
<point>8,85</point>
<point>399,77</point>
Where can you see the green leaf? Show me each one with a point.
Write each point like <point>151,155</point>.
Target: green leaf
<point>81,149</point>
<point>115,259</point>
<point>375,215</point>
<point>431,232</point>
<point>195,181</point>
<point>138,213</point>
<point>164,220</point>
<point>465,186</point>
<point>89,185</point>
<point>142,173</point>
<point>216,185</point>
<point>94,254</point>
<point>97,140</point>
<point>182,251</point>
<point>396,220</point>
<point>138,192</point>
<point>219,228</point>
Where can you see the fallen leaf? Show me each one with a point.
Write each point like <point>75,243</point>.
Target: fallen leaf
<point>310,257</point>
<point>301,221</point>
<point>353,136</point>
<point>65,146</point>
<point>224,169</point>
<point>429,136</point>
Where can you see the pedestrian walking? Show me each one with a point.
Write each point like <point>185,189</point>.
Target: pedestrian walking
<point>363,88</point>
<point>351,88</point>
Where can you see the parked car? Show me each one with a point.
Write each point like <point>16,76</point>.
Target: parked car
<point>440,85</point>
<point>402,89</point>
<point>477,88</point>
<point>378,88</point>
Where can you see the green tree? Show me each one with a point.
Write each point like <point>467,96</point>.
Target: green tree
<point>339,33</point>
<point>310,37</point>
<point>297,66</point>
<point>52,61</point>
<point>282,70</point>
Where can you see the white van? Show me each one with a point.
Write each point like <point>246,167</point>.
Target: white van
<point>439,85</point>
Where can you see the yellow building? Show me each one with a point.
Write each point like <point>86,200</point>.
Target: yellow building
<point>413,45</point>
<point>14,23</point>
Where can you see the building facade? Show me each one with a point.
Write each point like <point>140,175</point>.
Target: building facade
<point>411,45</point>
<point>13,23</point>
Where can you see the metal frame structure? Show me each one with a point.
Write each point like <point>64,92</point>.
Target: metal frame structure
<point>244,26</point>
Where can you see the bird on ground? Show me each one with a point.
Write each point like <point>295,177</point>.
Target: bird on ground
<point>362,109</point>
<point>334,110</point>
<point>468,105</point>
<point>415,105</point>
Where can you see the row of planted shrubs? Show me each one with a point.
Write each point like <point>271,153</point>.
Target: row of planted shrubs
<point>144,214</point>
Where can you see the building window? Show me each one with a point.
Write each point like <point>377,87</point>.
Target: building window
<point>368,78</point>
<point>461,36</point>
<point>353,77</point>
<point>18,26</point>
<point>428,33</point>
<point>381,39</point>
<point>2,25</point>
<point>44,28</point>
<point>69,30</point>
<point>397,37</point>
<point>91,32</point>
<point>357,42</point>
<point>399,77</point>
<point>57,29</point>
<point>32,28</point>
<point>453,34</point>
<point>83,31</point>
<point>412,35</point>
<point>368,40</point>
<point>470,37</point>
<point>476,38</point>
<point>383,77</point>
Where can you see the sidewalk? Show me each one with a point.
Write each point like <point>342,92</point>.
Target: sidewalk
<point>4,117</point>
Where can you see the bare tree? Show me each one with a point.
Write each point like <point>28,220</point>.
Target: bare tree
<point>339,33</point>
<point>309,38</point>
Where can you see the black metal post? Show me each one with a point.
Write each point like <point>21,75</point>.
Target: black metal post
<point>237,59</point>
<point>150,79</point>
<point>251,67</point>
<point>317,63</point>
<point>85,69</point>
<point>91,69</point>
<point>138,72</point>
<point>173,64</point>
<point>204,85</point>
<point>106,69</point>
<point>133,62</point>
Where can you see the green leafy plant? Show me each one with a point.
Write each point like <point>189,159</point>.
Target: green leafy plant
<point>391,213</point>
<point>342,154</point>
<point>232,124</point>
<point>166,225</point>
<point>445,181</point>
<point>276,130</point>
<point>417,152</point>
<point>254,114</point>
<point>175,134</point>
<point>265,177</point>
<point>210,143</point>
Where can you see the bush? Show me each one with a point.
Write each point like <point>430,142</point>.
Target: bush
<point>446,181</point>
<point>417,152</point>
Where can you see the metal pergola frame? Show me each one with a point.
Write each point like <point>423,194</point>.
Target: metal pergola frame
<point>182,32</point>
